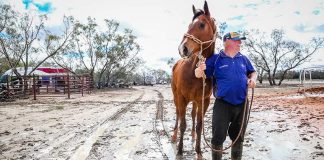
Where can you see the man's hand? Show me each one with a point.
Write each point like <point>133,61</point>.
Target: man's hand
<point>199,71</point>
<point>252,80</point>
<point>251,83</point>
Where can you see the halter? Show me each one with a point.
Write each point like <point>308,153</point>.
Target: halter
<point>198,41</point>
<point>201,43</point>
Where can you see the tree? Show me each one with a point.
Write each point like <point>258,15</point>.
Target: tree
<point>109,48</point>
<point>105,55</point>
<point>160,75</point>
<point>25,39</point>
<point>277,53</point>
<point>86,41</point>
<point>171,62</point>
<point>124,59</point>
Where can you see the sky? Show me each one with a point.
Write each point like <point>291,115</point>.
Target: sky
<point>160,24</point>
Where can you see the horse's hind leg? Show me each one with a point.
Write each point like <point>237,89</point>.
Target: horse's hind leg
<point>183,125</point>
<point>193,116</point>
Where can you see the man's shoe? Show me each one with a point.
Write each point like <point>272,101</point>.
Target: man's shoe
<point>236,151</point>
<point>217,155</point>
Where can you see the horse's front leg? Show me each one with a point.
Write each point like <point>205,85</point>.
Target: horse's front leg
<point>193,116</point>
<point>200,116</point>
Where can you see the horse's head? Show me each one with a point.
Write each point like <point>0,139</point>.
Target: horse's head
<point>201,34</point>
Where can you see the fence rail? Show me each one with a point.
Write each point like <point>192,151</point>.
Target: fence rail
<point>45,86</point>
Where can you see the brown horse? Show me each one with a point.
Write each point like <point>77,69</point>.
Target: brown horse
<point>199,39</point>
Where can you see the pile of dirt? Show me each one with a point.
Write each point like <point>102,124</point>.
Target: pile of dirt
<point>316,90</point>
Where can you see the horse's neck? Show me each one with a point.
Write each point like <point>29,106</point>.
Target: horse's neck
<point>193,60</point>
<point>209,51</point>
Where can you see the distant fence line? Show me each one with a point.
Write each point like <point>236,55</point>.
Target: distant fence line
<point>45,86</point>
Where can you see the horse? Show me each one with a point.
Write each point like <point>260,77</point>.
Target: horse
<point>198,41</point>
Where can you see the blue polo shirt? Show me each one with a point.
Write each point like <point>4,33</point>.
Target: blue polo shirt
<point>230,75</point>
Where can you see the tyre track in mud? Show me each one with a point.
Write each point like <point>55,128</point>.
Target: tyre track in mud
<point>83,151</point>
<point>131,136</point>
<point>71,141</point>
<point>163,138</point>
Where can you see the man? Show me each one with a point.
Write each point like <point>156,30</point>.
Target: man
<point>233,73</point>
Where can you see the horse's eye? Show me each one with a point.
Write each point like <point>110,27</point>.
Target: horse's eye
<point>201,25</point>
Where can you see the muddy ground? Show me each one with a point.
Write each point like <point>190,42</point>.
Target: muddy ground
<point>136,123</point>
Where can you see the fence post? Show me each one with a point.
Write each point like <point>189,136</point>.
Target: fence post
<point>25,87</point>
<point>82,81</point>
<point>34,86</point>
<point>8,90</point>
<point>68,85</point>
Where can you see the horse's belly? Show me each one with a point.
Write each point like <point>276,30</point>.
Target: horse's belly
<point>195,92</point>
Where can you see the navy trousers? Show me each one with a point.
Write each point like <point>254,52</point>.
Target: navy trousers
<point>227,119</point>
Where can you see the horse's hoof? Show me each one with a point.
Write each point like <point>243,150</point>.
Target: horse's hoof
<point>173,139</point>
<point>200,157</point>
<point>179,157</point>
<point>193,136</point>
<point>180,153</point>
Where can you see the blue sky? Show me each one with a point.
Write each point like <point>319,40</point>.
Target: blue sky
<point>45,7</point>
<point>160,24</point>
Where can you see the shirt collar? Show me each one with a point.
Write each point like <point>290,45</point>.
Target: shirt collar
<point>222,54</point>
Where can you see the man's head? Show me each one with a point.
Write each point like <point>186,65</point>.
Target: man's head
<point>232,41</point>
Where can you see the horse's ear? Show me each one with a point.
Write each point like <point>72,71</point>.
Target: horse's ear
<point>193,9</point>
<point>206,9</point>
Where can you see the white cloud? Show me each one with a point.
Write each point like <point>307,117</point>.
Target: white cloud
<point>160,25</point>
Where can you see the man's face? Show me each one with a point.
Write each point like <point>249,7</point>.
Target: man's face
<point>234,44</point>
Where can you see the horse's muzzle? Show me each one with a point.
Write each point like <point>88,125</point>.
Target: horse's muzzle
<point>184,51</point>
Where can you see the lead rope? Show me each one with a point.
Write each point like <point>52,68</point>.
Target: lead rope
<point>203,108</point>
<point>201,58</point>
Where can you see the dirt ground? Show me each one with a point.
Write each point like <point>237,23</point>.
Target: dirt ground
<point>136,123</point>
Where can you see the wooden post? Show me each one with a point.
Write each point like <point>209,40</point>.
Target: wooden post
<point>8,90</point>
<point>25,87</point>
<point>68,85</point>
<point>82,81</point>
<point>34,86</point>
<point>310,78</point>
<point>64,86</point>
